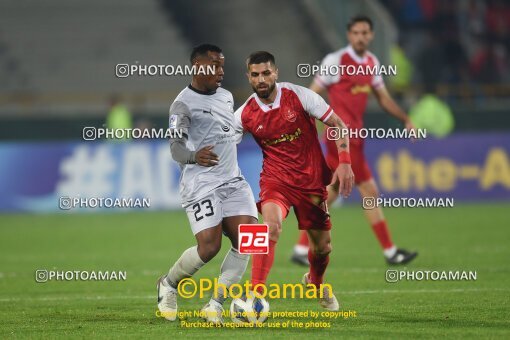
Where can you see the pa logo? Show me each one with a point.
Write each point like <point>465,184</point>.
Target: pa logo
<point>253,238</point>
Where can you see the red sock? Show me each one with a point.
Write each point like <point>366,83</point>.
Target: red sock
<point>303,238</point>
<point>318,266</point>
<point>383,234</point>
<point>261,265</point>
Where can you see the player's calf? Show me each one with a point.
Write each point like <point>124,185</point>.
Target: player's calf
<point>187,265</point>
<point>318,256</point>
<point>232,270</point>
<point>262,263</point>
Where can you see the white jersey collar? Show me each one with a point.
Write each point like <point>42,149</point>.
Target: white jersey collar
<point>357,58</point>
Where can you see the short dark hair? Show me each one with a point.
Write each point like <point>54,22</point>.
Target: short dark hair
<point>260,57</point>
<point>360,18</point>
<point>201,50</point>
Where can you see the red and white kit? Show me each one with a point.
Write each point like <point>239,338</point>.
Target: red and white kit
<point>294,172</point>
<point>348,95</point>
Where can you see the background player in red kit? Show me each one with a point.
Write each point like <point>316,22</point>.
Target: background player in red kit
<point>281,118</point>
<point>348,95</point>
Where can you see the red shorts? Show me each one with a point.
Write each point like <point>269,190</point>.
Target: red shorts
<point>359,163</point>
<point>310,206</point>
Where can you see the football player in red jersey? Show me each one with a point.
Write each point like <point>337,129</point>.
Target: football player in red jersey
<point>281,118</point>
<point>348,95</point>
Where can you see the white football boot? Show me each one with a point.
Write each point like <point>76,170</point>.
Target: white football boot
<point>212,312</point>
<point>328,300</point>
<point>167,300</point>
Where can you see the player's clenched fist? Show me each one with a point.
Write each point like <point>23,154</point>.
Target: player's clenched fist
<point>345,178</point>
<point>206,157</point>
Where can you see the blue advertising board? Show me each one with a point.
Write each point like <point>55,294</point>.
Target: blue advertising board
<point>468,167</point>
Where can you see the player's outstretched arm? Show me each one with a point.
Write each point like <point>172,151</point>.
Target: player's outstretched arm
<point>343,174</point>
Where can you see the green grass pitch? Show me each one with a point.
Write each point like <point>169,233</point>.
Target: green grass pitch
<point>467,237</point>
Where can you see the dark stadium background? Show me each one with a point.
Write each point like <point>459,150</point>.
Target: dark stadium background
<point>57,58</point>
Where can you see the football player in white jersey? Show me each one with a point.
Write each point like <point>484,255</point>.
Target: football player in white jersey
<point>213,191</point>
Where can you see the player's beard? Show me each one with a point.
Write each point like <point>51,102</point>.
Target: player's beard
<point>265,93</point>
<point>360,48</point>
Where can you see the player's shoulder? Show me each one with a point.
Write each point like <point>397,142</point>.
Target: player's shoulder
<point>220,91</point>
<point>247,106</point>
<point>372,56</point>
<point>223,91</point>
<point>184,96</point>
<point>335,57</point>
<point>298,90</point>
<point>292,86</point>
<point>182,101</point>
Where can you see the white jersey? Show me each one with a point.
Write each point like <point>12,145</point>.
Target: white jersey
<point>206,119</point>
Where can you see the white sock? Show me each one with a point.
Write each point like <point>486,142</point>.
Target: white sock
<point>187,265</point>
<point>232,270</point>
<point>390,252</point>
<point>300,249</point>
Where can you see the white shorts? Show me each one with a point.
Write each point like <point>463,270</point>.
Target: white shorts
<point>230,199</point>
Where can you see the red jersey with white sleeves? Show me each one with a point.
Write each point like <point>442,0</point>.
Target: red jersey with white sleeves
<point>348,92</point>
<point>285,130</point>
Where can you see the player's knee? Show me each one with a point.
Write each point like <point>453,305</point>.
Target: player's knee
<point>322,248</point>
<point>208,250</point>
<point>275,228</point>
<point>374,192</point>
<point>370,190</point>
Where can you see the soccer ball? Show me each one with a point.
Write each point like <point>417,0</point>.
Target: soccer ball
<point>249,310</point>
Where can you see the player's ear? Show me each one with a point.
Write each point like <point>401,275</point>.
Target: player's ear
<point>276,74</point>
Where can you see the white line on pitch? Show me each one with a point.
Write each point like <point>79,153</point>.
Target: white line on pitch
<point>352,292</point>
